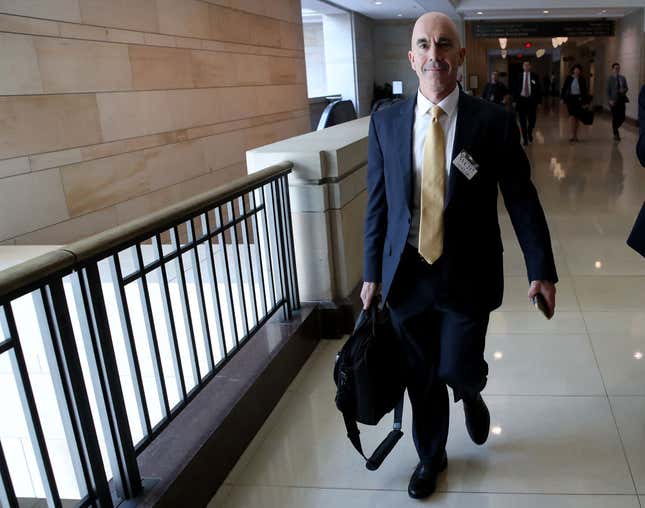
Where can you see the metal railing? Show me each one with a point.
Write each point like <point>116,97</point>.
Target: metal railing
<point>104,341</point>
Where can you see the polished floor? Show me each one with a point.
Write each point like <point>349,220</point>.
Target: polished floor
<point>567,396</point>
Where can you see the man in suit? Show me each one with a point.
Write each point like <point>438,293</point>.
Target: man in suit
<point>617,97</point>
<point>528,95</point>
<point>432,240</point>
<point>494,91</point>
<point>636,238</point>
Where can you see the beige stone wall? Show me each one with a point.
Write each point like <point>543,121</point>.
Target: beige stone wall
<point>110,109</point>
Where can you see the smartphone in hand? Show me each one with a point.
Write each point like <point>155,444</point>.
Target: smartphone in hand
<point>540,303</point>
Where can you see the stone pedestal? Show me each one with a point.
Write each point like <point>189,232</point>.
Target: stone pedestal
<point>328,199</point>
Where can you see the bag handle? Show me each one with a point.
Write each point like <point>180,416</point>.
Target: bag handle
<point>385,447</point>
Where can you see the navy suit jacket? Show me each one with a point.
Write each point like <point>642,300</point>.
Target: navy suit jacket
<point>636,239</point>
<point>472,271</point>
<point>640,147</point>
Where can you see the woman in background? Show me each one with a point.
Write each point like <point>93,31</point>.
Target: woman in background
<point>574,94</point>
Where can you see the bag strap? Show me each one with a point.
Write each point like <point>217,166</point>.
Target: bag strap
<point>386,446</point>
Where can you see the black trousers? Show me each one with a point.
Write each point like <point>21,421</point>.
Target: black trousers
<point>442,347</point>
<point>527,112</point>
<point>617,115</point>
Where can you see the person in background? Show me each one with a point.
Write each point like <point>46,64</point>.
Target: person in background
<point>495,90</point>
<point>574,93</point>
<point>617,97</point>
<point>528,95</point>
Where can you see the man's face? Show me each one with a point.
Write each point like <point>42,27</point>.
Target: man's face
<point>526,66</point>
<point>493,77</point>
<point>616,69</point>
<point>435,53</point>
<point>576,72</point>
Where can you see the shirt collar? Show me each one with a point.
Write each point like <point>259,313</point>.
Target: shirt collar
<point>448,104</point>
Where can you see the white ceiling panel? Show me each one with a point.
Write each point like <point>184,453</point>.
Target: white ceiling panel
<point>490,9</point>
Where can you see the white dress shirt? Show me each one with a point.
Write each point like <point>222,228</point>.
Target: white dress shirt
<point>526,78</point>
<point>422,118</point>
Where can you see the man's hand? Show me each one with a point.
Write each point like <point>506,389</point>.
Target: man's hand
<point>547,289</point>
<point>369,292</point>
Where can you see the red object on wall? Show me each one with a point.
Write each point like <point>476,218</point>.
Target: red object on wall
<point>528,45</point>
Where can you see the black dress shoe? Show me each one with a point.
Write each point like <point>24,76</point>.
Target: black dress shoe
<point>477,419</point>
<point>424,479</point>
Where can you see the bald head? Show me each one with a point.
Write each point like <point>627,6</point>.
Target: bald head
<point>432,21</point>
<point>435,55</point>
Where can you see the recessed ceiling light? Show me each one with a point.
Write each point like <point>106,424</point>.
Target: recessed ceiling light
<point>400,15</point>
<point>378,3</point>
<point>603,11</point>
<point>480,12</point>
<point>545,12</point>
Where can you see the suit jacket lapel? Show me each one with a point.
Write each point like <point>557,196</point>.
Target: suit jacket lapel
<point>465,131</point>
<point>404,127</point>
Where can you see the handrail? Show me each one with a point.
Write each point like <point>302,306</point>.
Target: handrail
<point>33,270</point>
<point>136,320</point>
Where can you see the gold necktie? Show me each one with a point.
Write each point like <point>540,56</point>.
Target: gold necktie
<point>433,185</point>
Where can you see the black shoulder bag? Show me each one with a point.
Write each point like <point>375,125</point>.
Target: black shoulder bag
<point>370,379</point>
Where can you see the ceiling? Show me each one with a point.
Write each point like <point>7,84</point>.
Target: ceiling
<point>484,9</point>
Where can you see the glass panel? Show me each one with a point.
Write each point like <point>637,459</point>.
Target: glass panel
<point>15,436</point>
<point>128,260</point>
<point>121,351</point>
<point>38,350</point>
<point>190,273</point>
<point>181,325</point>
<point>136,306</point>
<point>149,251</point>
<point>168,243</point>
<point>4,328</point>
<point>80,325</point>
<point>164,336</point>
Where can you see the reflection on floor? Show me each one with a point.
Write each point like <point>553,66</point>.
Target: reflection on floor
<point>567,397</point>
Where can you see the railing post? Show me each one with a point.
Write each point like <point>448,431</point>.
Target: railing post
<point>78,403</point>
<point>279,209</point>
<point>127,478</point>
<point>292,250</point>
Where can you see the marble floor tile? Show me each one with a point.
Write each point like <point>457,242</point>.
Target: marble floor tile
<point>626,322</point>
<point>542,445</point>
<point>516,322</point>
<point>610,292</point>
<point>298,497</point>
<point>541,365</point>
<point>587,255</point>
<point>622,362</point>
<point>630,416</point>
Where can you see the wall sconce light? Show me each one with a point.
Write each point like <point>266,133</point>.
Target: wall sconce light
<point>540,53</point>
<point>502,42</point>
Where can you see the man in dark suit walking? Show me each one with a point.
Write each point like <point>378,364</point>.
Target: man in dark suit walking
<point>528,95</point>
<point>432,240</point>
<point>617,97</point>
